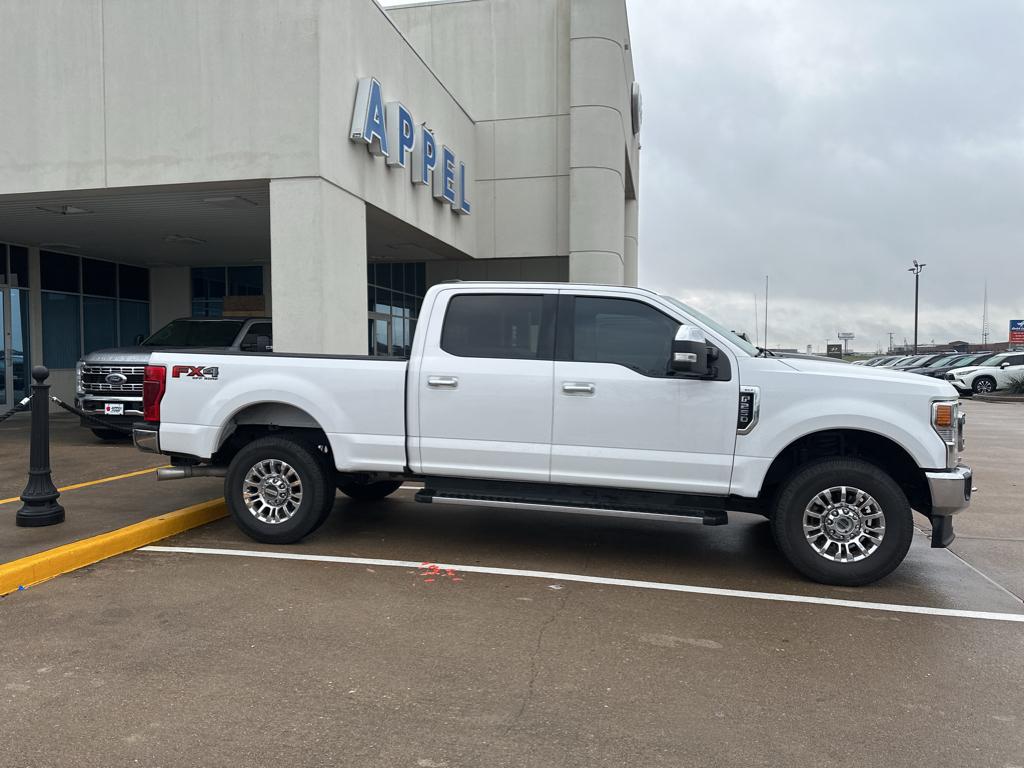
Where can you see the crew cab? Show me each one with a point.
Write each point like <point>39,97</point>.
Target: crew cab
<point>108,382</point>
<point>599,400</point>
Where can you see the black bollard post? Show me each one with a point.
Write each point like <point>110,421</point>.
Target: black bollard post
<point>40,494</point>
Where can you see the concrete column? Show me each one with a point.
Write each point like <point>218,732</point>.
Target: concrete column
<point>597,144</point>
<point>170,295</point>
<point>318,278</point>
<point>630,252</point>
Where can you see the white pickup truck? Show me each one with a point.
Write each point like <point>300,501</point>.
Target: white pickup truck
<point>590,399</point>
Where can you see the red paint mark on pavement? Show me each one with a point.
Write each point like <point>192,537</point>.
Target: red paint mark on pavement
<point>432,572</point>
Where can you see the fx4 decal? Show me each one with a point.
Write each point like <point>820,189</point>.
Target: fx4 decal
<point>195,372</point>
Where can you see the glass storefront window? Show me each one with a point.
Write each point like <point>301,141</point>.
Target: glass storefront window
<point>99,322</point>
<point>20,346</point>
<point>61,329</point>
<point>99,278</point>
<point>17,272</point>
<point>134,322</point>
<point>395,290</point>
<point>58,272</point>
<point>87,304</point>
<point>245,281</point>
<point>210,285</point>
<point>133,282</point>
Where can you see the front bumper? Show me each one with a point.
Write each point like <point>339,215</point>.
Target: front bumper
<point>950,490</point>
<point>147,438</point>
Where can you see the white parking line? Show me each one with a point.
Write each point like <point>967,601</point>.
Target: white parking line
<point>655,585</point>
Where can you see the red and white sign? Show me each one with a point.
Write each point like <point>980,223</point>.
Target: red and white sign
<point>1017,331</point>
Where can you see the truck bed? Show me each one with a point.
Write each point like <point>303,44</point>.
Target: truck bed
<point>358,402</point>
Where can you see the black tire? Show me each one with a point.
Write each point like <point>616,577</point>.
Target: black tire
<point>110,435</point>
<point>314,505</point>
<point>800,490</point>
<point>983,385</point>
<point>367,491</point>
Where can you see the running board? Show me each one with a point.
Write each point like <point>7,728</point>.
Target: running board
<point>683,515</point>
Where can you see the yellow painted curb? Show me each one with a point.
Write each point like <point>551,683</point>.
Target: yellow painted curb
<point>78,554</point>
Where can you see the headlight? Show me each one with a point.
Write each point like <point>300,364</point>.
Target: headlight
<point>946,423</point>
<point>78,378</point>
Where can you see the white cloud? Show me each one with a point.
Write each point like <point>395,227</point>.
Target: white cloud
<point>827,143</point>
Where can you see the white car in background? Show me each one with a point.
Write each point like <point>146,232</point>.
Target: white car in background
<point>995,374</point>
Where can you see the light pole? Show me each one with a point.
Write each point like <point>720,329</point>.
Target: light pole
<point>916,269</point>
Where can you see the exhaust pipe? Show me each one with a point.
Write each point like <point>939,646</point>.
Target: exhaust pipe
<point>181,473</point>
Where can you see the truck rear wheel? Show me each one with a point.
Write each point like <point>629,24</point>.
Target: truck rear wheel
<point>367,491</point>
<point>278,490</point>
<point>843,522</point>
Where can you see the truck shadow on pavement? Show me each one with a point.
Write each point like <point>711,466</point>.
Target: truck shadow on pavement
<point>740,555</point>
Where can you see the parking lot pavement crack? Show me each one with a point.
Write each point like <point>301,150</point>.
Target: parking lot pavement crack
<point>535,662</point>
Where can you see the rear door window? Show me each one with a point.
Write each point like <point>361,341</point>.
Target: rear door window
<point>497,326</point>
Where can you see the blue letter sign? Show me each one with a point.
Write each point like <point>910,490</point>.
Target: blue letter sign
<point>425,158</point>
<point>444,178</point>
<point>368,117</point>
<point>401,133</point>
<point>463,204</point>
<point>388,129</point>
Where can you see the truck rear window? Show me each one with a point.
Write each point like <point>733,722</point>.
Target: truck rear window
<point>196,333</point>
<point>493,325</point>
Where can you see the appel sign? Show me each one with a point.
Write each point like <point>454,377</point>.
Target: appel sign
<point>388,129</point>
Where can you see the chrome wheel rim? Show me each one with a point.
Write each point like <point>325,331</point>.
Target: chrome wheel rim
<point>984,385</point>
<point>272,491</point>
<point>844,524</point>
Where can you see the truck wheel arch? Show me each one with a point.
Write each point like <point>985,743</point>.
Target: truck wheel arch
<point>256,420</point>
<point>884,452</point>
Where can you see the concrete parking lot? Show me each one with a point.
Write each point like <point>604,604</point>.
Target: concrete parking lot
<point>372,657</point>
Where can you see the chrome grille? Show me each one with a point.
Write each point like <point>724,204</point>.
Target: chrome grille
<point>94,379</point>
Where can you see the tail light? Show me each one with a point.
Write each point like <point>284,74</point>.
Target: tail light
<point>154,384</point>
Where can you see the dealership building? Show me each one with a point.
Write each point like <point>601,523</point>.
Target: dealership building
<point>322,162</point>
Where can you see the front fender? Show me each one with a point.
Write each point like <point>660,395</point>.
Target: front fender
<point>907,424</point>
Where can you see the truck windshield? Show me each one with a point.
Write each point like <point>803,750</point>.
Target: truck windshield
<point>718,328</point>
<point>196,333</point>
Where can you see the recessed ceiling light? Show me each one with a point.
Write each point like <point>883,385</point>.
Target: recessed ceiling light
<point>63,210</point>
<point>231,201</point>
<point>183,239</point>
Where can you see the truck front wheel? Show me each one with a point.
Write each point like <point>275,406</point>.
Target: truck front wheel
<point>843,522</point>
<point>278,490</point>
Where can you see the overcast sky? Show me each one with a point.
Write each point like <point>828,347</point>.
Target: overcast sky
<point>827,144</point>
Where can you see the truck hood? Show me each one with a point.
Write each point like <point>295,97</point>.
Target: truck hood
<point>137,355</point>
<point>863,375</point>
<point>140,355</point>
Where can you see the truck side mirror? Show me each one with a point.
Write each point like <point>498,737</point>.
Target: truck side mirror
<point>139,338</point>
<point>689,352</point>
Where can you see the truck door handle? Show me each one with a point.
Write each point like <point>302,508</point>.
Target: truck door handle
<point>445,382</point>
<point>577,388</point>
